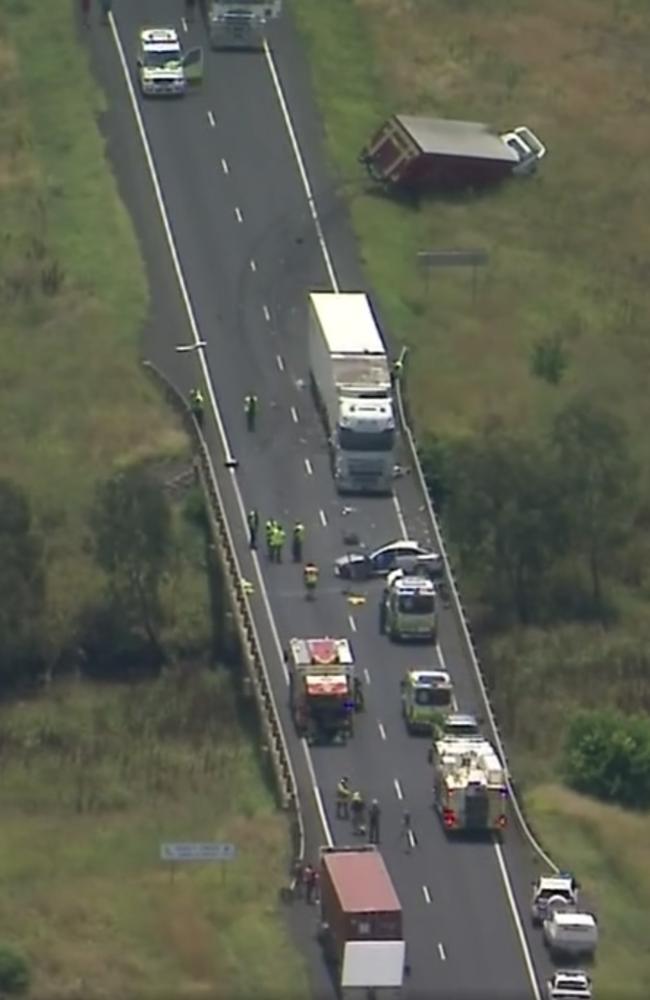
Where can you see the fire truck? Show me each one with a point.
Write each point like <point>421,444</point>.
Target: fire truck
<point>469,785</point>
<point>323,692</point>
<point>408,607</point>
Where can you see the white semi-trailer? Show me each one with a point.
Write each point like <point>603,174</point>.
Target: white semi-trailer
<point>351,381</point>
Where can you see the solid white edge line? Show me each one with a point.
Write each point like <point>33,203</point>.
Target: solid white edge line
<point>516,918</point>
<point>153,173</point>
<point>400,517</point>
<point>275,76</point>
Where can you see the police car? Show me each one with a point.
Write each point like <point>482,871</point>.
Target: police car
<point>163,68</point>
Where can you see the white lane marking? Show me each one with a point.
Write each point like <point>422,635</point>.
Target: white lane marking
<point>443,665</point>
<point>301,165</point>
<point>224,166</point>
<point>294,414</point>
<point>238,215</point>
<point>426,894</point>
<point>398,789</point>
<point>441,952</point>
<point>191,317</point>
<point>382,731</point>
<point>253,265</point>
<point>412,840</point>
<point>211,119</point>
<point>514,910</point>
<point>366,675</point>
<point>400,517</point>
<point>280,362</point>
<point>308,467</point>
<point>267,314</point>
<point>353,624</point>
<point>184,24</point>
<point>323,519</point>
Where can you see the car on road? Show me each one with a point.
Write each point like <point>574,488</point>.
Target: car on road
<point>569,984</point>
<point>553,892</point>
<point>572,935</point>
<point>164,70</point>
<point>403,554</point>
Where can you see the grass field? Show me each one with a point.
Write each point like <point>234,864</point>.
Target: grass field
<point>94,779</point>
<point>74,401</point>
<point>566,262</point>
<point>611,850</point>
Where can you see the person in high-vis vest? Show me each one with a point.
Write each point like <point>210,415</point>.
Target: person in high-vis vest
<point>310,575</point>
<point>250,410</point>
<point>197,405</point>
<point>343,793</point>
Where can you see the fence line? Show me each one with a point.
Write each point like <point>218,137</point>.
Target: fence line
<point>251,648</point>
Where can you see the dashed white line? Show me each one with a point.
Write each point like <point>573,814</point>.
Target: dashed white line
<point>267,314</point>
<point>211,119</point>
<point>366,675</point>
<point>238,215</point>
<point>398,790</point>
<point>441,952</point>
<point>426,894</point>
<point>412,840</point>
<point>400,517</point>
<point>184,24</point>
<point>294,414</point>
<point>323,519</point>
<point>253,265</point>
<point>382,731</point>
<point>308,467</point>
<point>280,362</point>
<point>353,624</point>
<point>224,166</point>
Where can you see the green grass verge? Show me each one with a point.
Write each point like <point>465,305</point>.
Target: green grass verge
<point>94,779</point>
<point>610,849</point>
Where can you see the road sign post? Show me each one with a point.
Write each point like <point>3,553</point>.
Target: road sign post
<point>175,854</point>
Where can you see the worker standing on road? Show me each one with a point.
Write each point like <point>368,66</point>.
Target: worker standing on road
<point>269,528</point>
<point>253,519</point>
<point>310,574</point>
<point>197,405</point>
<point>277,543</point>
<point>406,833</point>
<point>250,410</point>
<point>358,811</point>
<point>297,539</point>
<point>374,815</point>
<point>311,885</point>
<point>343,798</point>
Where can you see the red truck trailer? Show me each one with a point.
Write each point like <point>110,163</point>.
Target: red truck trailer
<point>361,920</point>
<point>427,154</point>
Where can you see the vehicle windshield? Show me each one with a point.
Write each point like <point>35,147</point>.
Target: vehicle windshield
<point>350,440</point>
<point>162,60</point>
<point>434,697</point>
<point>416,604</point>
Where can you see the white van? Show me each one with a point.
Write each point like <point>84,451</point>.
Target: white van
<point>571,933</point>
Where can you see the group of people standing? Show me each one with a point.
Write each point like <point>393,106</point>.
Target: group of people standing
<point>352,805</point>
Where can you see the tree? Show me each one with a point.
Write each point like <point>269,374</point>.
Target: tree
<point>132,533</point>
<point>591,448</point>
<point>14,971</point>
<point>607,755</point>
<point>505,515</point>
<point>22,582</point>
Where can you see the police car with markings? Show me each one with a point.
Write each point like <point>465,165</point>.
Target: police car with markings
<point>164,70</point>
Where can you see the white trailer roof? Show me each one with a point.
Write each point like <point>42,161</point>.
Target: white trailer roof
<point>446,137</point>
<point>347,323</point>
<point>374,964</point>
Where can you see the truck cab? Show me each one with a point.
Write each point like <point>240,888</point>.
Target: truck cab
<point>527,148</point>
<point>408,607</point>
<point>239,24</point>
<point>322,688</point>
<point>426,696</point>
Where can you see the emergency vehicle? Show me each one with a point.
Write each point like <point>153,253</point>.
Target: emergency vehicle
<point>322,689</point>
<point>164,70</point>
<point>408,608</point>
<point>426,695</point>
<point>469,785</point>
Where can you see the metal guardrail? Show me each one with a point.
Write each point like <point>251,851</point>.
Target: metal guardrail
<point>251,649</point>
<point>463,622</point>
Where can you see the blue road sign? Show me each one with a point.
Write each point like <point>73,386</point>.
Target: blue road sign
<point>197,852</point>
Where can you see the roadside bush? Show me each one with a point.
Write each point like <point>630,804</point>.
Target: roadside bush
<point>607,755</point>
<point>14,971</point>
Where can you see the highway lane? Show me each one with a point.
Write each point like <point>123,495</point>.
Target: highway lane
<point>215,255</point>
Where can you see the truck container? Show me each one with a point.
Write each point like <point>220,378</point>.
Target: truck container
<point>361,919</point>
<point>419,154</point>
<point>350,378</point>
<point>239,24</point>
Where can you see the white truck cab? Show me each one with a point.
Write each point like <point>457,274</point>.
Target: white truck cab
<point>527,147</point>
<point>553,892</point>
<point>572,934</point>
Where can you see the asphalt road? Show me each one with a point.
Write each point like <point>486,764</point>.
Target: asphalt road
<point>249,251</point>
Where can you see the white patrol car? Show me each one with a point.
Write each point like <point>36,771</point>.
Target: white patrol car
<point>163,68</point>
<point>553,892</point>
<point>570,984</point>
